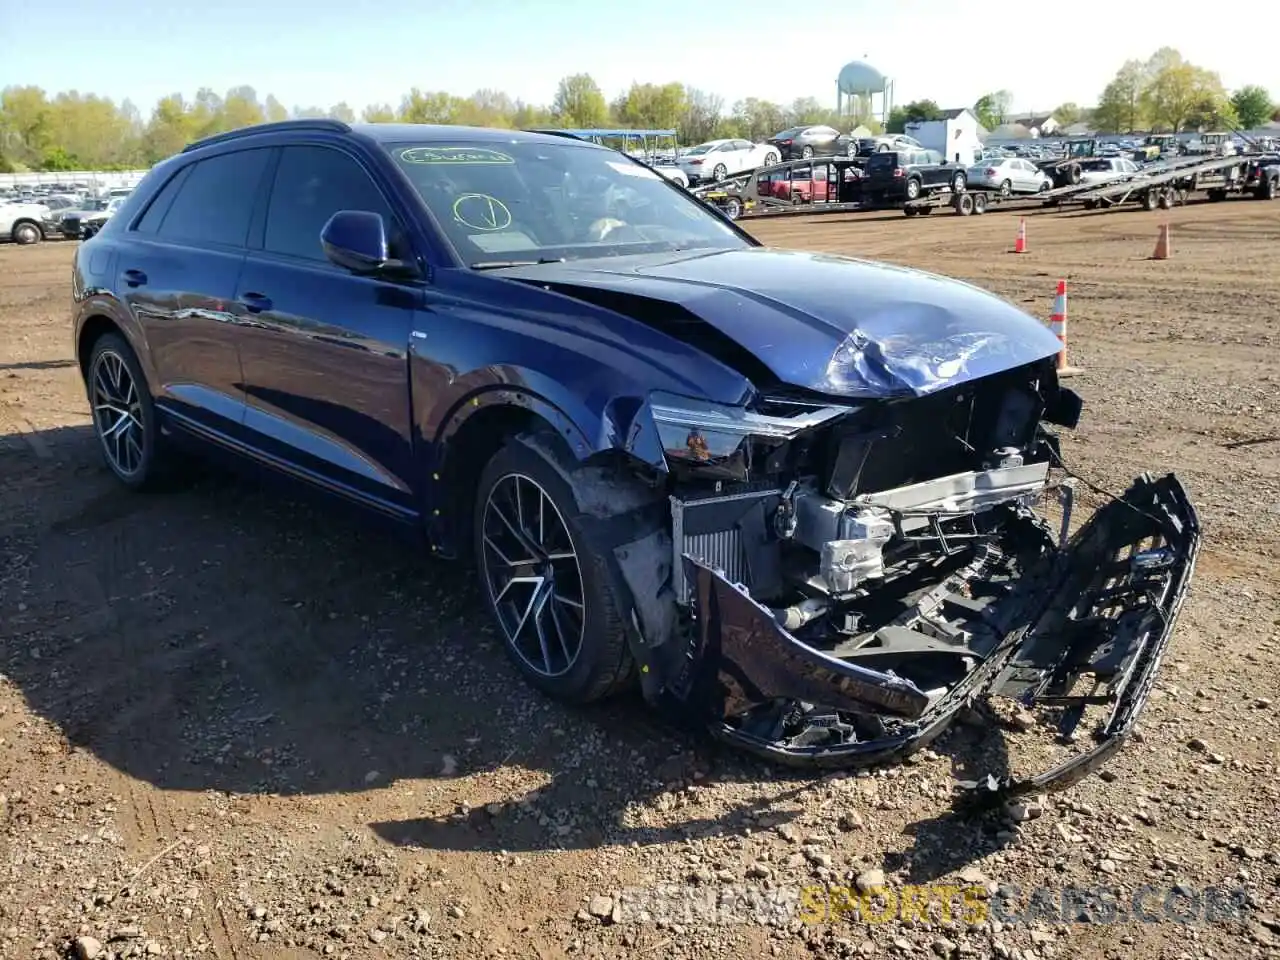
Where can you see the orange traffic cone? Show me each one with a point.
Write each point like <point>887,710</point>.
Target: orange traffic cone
<point>1164,248</point>
<point>1058,324</point>
<point>1020,244</point>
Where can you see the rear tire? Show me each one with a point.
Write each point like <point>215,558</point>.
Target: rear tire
<point>913,188</point>
<point>720,172</point>
<point>1006,188</point>
<point>574,587</point>
<point>124,415</point>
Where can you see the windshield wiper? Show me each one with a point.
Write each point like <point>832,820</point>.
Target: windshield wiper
<point>500,264</point>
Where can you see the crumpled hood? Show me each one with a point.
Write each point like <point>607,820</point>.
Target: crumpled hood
<point>832,324</point>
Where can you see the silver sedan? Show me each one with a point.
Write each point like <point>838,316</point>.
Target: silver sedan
<point>1009,175</point>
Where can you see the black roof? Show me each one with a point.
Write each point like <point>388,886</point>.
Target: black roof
<point>387,132</point>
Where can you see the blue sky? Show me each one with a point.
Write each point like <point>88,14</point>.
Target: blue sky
<point>319,52</point>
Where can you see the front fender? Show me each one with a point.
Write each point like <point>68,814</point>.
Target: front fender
<point>620,423</point>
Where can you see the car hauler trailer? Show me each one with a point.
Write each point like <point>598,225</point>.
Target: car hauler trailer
<point>819,185</point>
<point>1162,188</point>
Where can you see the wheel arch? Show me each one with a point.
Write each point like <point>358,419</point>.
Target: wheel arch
<point>93,329</point>
<point>478,426</point>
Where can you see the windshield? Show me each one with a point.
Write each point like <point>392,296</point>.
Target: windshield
<point>536,201</point>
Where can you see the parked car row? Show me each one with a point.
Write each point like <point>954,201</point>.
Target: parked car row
<point>70,216</point>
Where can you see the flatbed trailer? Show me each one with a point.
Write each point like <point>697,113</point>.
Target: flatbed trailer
<point>977,202</point>
<point>1163,188</point>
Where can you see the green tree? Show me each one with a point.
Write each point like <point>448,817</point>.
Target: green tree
<point>170,129</point>
<point>1067,114</point>
<point>991,109</point>
<point>702,115</point>
<point>651,106</point>
<point>341,111</point>
<point>579,103</point>
<point>1178,94</point>
<point>1252,105</point>
<point>240,108</point>
<point>274,110</point>
<point>757,119</point>
<point>378,113</point>
<point>1121,107</point>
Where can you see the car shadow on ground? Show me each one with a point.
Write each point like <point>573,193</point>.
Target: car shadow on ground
<point>223,637</point>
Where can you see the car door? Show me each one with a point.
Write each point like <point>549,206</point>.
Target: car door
<point>744,156</point>
<point>325,352</point>
<point>177,267</point>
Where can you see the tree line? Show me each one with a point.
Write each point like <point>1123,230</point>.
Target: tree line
<point>73,130</point>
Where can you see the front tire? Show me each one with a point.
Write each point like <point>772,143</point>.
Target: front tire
<point>26,233</point>
<point>124,414</point>
<point>546,586</point>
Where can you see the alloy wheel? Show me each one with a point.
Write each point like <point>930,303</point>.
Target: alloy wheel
<point>117,413</point>
<point>532,574</point>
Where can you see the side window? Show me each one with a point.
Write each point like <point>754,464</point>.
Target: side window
<point>215,201</point>
<point>311,185</point>
<point>163,200</point>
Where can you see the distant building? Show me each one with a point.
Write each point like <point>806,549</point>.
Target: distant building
<point>957,135</point>
<point>1036,124</point>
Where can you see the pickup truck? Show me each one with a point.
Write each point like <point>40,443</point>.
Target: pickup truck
<point>898,176</point>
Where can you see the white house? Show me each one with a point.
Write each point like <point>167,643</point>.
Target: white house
<point>957,135</point>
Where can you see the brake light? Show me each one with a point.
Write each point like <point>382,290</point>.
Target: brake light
<point>898,171</point>
<point>990,171</point>
<point>785,143</point>
<point>695,163</point>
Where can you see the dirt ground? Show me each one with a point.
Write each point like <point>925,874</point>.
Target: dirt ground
<point>237,725</point>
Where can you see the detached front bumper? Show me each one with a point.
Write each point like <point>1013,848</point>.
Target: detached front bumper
<point>1098,613</point>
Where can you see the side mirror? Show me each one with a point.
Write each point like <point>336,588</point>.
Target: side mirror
<point>356,240</point>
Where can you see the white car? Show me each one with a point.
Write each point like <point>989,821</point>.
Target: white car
<point>672,173</point>
<point>26,222</point>
<point>717,159</point>
<point>1009,175</point>
<point>1100,170</point>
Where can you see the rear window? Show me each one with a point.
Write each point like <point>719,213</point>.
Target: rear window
<point>882,161</point>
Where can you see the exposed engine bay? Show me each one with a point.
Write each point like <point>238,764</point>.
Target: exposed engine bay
<point>857,573</point>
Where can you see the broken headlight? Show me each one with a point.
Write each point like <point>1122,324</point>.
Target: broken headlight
<point>718,441</point>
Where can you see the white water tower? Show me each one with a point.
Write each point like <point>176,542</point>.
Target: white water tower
<point>863,92</point>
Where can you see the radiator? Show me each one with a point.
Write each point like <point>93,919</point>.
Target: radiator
<point>706,530</point>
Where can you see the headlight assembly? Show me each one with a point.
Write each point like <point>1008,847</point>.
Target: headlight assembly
<point>716,440</point>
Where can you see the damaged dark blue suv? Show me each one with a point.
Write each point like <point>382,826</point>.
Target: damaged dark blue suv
<point>799,498</point>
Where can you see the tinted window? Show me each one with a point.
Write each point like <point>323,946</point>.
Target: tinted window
<point>311,185</point>
<point>154,216</point>
<point>215,201</point>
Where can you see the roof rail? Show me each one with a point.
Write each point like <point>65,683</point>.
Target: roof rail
<point>566,134</point>
<point>325,124</point>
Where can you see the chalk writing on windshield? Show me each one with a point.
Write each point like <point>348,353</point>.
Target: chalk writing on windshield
<point>453,155</point>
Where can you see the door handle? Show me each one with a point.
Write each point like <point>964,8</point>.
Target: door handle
<point>135,278</point>
<point>255,302</point>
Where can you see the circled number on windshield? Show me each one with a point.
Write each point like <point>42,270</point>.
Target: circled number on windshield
<point>479,211</point>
